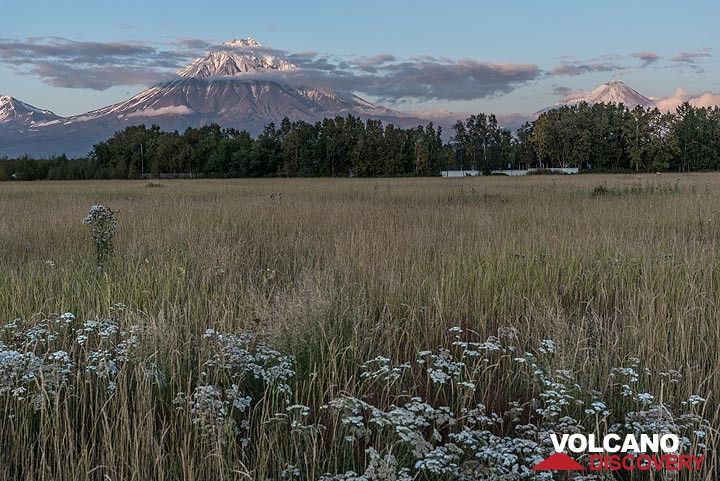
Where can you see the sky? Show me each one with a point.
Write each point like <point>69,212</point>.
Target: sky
<point>464,56</point>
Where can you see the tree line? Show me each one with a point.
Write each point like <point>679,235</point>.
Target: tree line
<point>610,137</point>
<point>600,137</point>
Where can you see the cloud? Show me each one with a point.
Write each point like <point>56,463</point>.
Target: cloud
<point>647,58</point>
<point>394,80</point>
<point>62,62</point>
<point>570,68</point>
<point>68,49</point>
<point>100,65</point>
<point>169,110</point>
<point>95,65</point>
<point>465,79</point>
<point>692,60</point>
<point>568,93</point>
<point>689,57</point>
<point>705,99</point>
<point>560,90</point>
<point>95,77</point>
<point>410,80</point>
<point>371,64</point>
<point>670,103</point>
<point>192,43</point>
<point>306,54</point>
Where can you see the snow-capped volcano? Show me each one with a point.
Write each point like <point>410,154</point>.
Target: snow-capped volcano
<point>226,86</point>
<point>613,92</point>
<point>13,110</point>
<point>234,85</point>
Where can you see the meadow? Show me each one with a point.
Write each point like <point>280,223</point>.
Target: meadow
<point>354,329</point>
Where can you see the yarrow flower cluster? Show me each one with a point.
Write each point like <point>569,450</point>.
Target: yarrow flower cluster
<point>217,411</point>
<point>105,348</point>
<point>381,369</point>
<point>473,443</point>
<point>44,358</point>
<point>243,355</point>
<point>103,225</point>
<point>211,409</point>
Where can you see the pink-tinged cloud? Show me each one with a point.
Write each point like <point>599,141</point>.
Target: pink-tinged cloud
<point>707,99</point>
<point>670,103</point>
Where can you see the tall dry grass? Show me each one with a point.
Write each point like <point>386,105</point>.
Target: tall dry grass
<point>336,272</point>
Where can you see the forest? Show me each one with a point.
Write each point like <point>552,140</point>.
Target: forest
<point>599,138</point>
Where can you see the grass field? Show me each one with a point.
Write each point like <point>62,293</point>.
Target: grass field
<point>330,274</point>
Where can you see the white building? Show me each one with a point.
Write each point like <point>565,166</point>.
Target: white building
<point>459,173</point>
<point>549,170</point>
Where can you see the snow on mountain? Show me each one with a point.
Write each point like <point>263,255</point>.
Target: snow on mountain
<point>236,57</point>
<point>614,92</point>
<point>13,110</point>
<point>248,42</point>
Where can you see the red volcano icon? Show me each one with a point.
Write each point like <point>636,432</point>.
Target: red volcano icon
<point>558,462</point>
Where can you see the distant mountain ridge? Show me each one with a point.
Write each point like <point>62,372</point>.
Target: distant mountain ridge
<point>13,110</point>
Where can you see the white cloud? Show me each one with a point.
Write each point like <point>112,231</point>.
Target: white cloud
<point>169,110</point>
